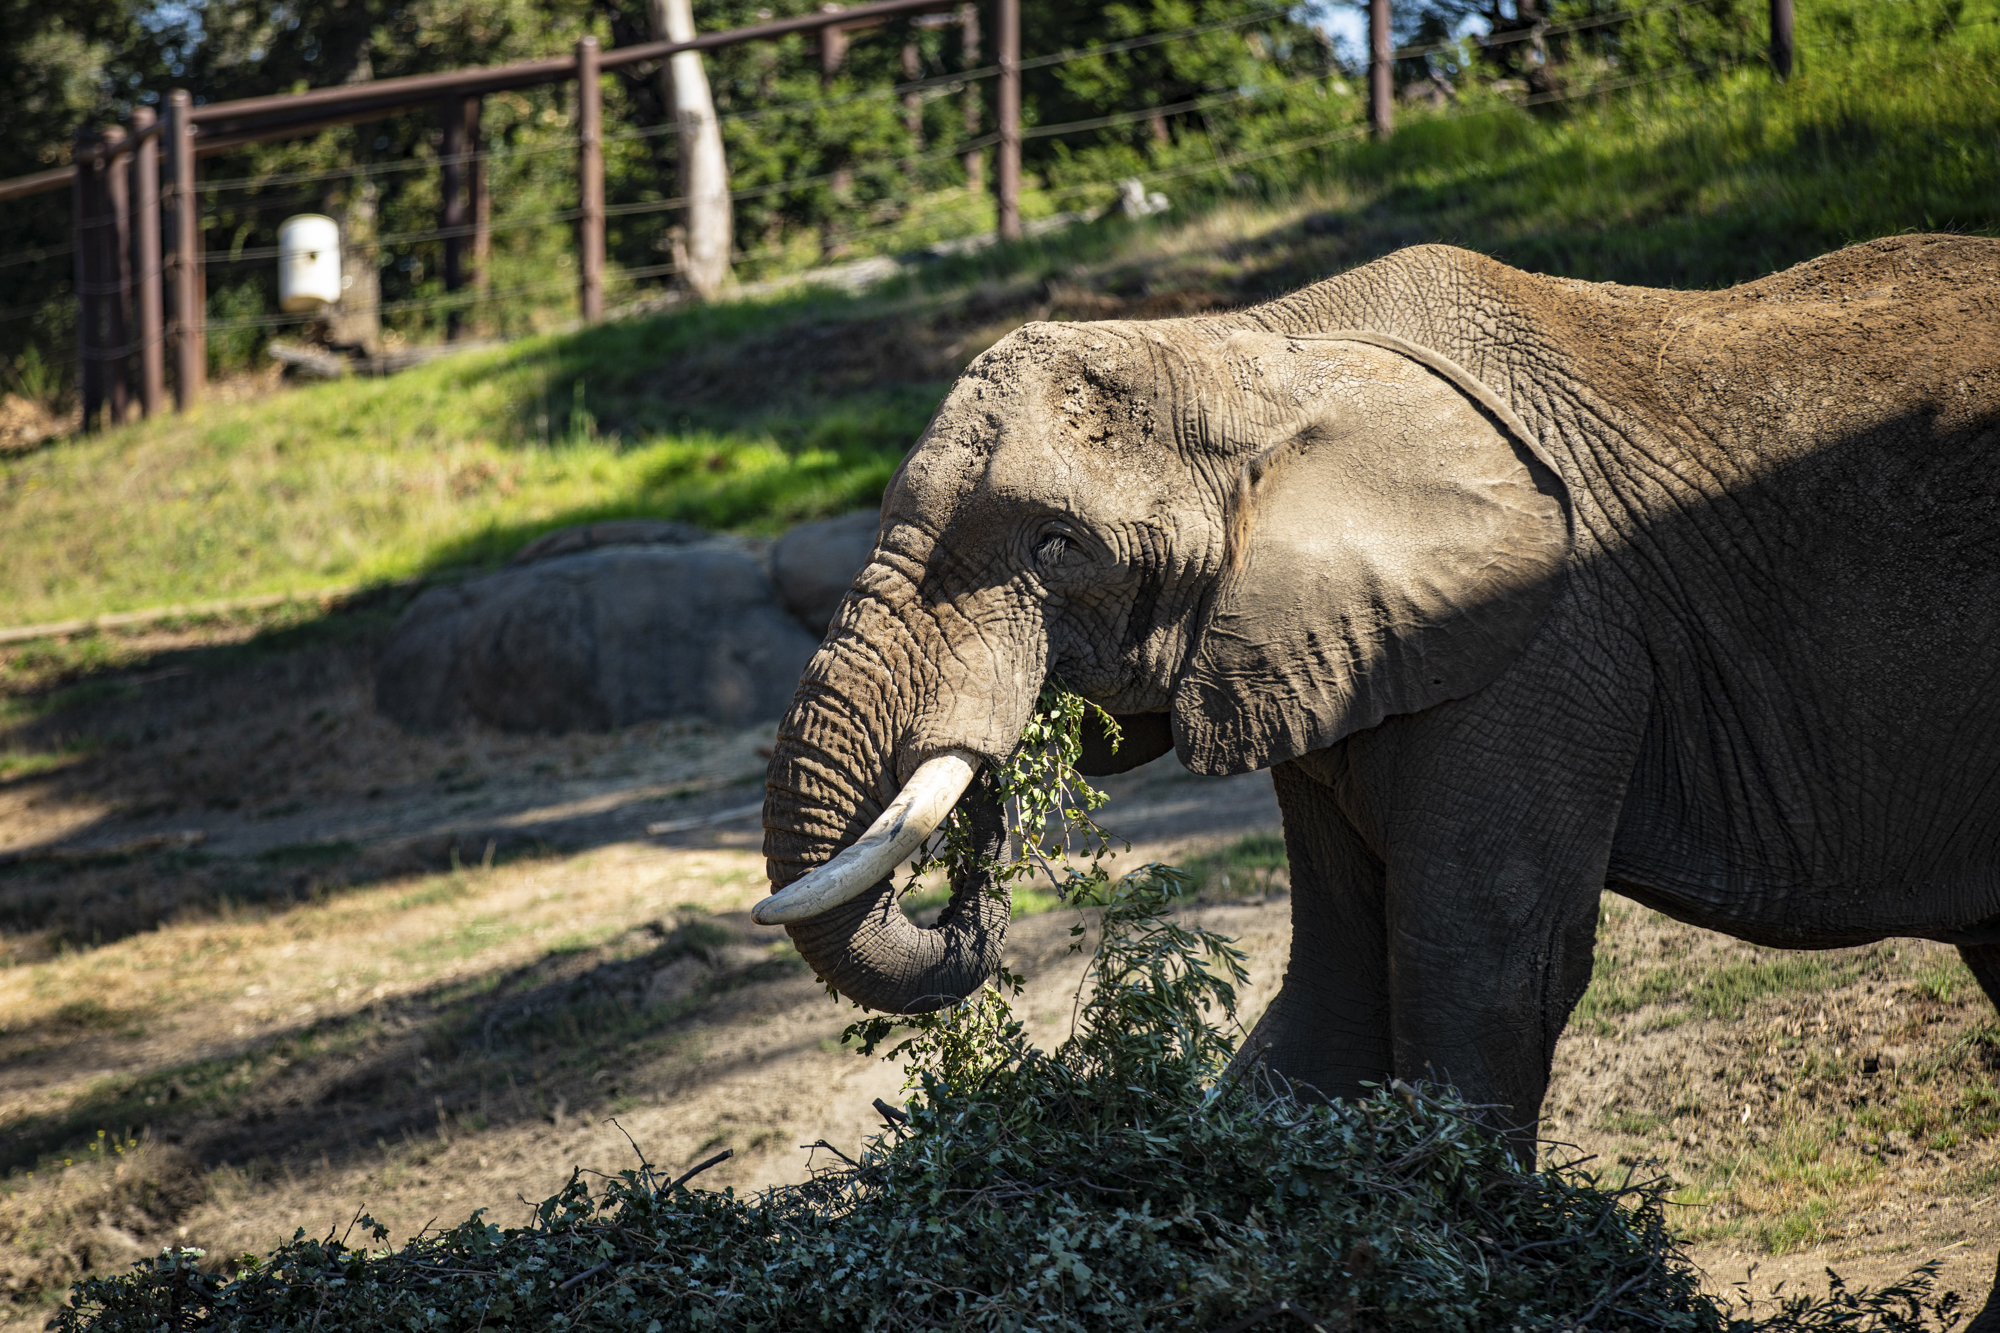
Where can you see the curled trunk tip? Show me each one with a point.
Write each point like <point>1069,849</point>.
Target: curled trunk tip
<point>869,951</point>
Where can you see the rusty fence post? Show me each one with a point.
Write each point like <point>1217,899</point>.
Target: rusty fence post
<point>590,180</point>
<point>1381,70</point>
<point>184,261</point>
<point>86,209</point>
<point>480,259</point>
<point>115,254</point>
<point>452,212</point>
<point>1007,172</point>
<point>975,160</point>
<point>148,301</point>
<point>1781,38</point>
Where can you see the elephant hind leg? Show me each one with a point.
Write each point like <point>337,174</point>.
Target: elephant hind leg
<point>1984,960</point>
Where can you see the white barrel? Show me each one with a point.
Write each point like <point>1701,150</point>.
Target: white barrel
<point>308,263</point>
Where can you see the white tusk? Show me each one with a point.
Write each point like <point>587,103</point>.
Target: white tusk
<point>920,807</point>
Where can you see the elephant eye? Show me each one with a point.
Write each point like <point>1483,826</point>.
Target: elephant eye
<point>1057,546</point>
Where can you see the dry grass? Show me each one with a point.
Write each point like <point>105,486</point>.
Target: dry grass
<point>91,1215</point>
<point>1835,1107</point>
<point>318,1010</point>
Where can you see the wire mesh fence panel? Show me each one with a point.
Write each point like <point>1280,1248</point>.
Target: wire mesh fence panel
<point>876,143</point>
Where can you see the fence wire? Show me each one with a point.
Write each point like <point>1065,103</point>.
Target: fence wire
<point>38,255</point>
<point>950,82</point>
<point>568,143</point>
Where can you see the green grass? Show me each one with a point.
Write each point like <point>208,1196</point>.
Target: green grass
<point>1890,125</point>
<point>309,853</point>
<point>28,764</point>
<point>1681,991</point>
<point>1251,864</point>
<point>1887,126</point>
<point>381,481</point>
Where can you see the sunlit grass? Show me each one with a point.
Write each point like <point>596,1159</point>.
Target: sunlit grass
<point>353,484</point>
<point>1256,863</point>
<point>1692,181</point>
<point>1621,985</point>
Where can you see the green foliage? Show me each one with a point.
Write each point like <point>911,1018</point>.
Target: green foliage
<point>1052,829</point>
<point>1254,77</point>
<point>1116,1184</point>
<point>1051,817</point>
<point>63,64</point>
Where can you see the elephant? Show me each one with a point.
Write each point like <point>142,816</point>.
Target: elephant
<point>1523,588</point>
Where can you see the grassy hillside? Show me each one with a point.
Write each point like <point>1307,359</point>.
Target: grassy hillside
<point>753,415</point>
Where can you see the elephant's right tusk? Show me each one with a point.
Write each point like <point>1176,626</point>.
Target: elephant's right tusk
<point>920,807</point>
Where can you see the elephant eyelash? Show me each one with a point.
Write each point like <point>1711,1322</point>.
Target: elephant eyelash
<point>1052,549</point>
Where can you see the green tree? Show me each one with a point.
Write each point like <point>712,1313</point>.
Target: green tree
<point>827,158</point>
<point>63,64</point>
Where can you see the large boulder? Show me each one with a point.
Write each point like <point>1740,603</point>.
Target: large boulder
<point>581,537</point>
<point>813,564</point>
<point>597,639</point>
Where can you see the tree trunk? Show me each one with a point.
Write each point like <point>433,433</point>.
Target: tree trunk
<point>356,319</point>
<point>704,171</point>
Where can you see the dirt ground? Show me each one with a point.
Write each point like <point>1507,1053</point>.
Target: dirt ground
<point>266,962</point>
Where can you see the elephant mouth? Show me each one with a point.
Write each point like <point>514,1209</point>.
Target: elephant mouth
<point>918,809</point>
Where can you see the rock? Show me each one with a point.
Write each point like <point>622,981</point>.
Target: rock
<point>676,981</point>
<point>611,532</point>
<point>690,972</point>
<point>594,640</point>
<point>313,362</point>
<point>813,564</point>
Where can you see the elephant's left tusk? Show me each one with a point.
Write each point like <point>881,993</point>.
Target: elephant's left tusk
<point>920,807</point>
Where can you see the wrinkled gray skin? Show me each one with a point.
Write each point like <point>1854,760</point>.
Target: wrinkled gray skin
<point>1714,625</point>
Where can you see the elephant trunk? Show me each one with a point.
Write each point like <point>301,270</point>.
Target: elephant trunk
<point>833,775</point>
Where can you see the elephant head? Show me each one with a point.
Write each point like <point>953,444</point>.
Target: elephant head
<point>1246,544</point>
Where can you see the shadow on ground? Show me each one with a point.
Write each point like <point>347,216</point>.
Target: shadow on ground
<point>573,1032</point>
<point>169,773</point>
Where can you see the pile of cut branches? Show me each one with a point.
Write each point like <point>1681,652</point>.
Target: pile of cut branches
<point>1127,1181</point>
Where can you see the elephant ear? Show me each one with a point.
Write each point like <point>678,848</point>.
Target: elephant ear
<point>1394,541</point>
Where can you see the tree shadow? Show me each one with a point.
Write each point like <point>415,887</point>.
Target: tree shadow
<point>568,1033</point>
<point>257,776</point>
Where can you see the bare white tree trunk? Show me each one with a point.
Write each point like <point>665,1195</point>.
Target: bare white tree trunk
<point>356,319</point>
<point>704,179</point>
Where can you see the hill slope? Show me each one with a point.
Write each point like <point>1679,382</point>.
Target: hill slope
<point>752,415</point>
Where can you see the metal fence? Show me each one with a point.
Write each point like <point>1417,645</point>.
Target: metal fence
<point>134,189</point>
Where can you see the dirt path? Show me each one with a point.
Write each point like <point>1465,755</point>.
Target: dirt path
<point>341,1000</point>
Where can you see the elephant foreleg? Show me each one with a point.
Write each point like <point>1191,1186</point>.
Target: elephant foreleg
<point>1495,816</point>
<point>1329,1025</point>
